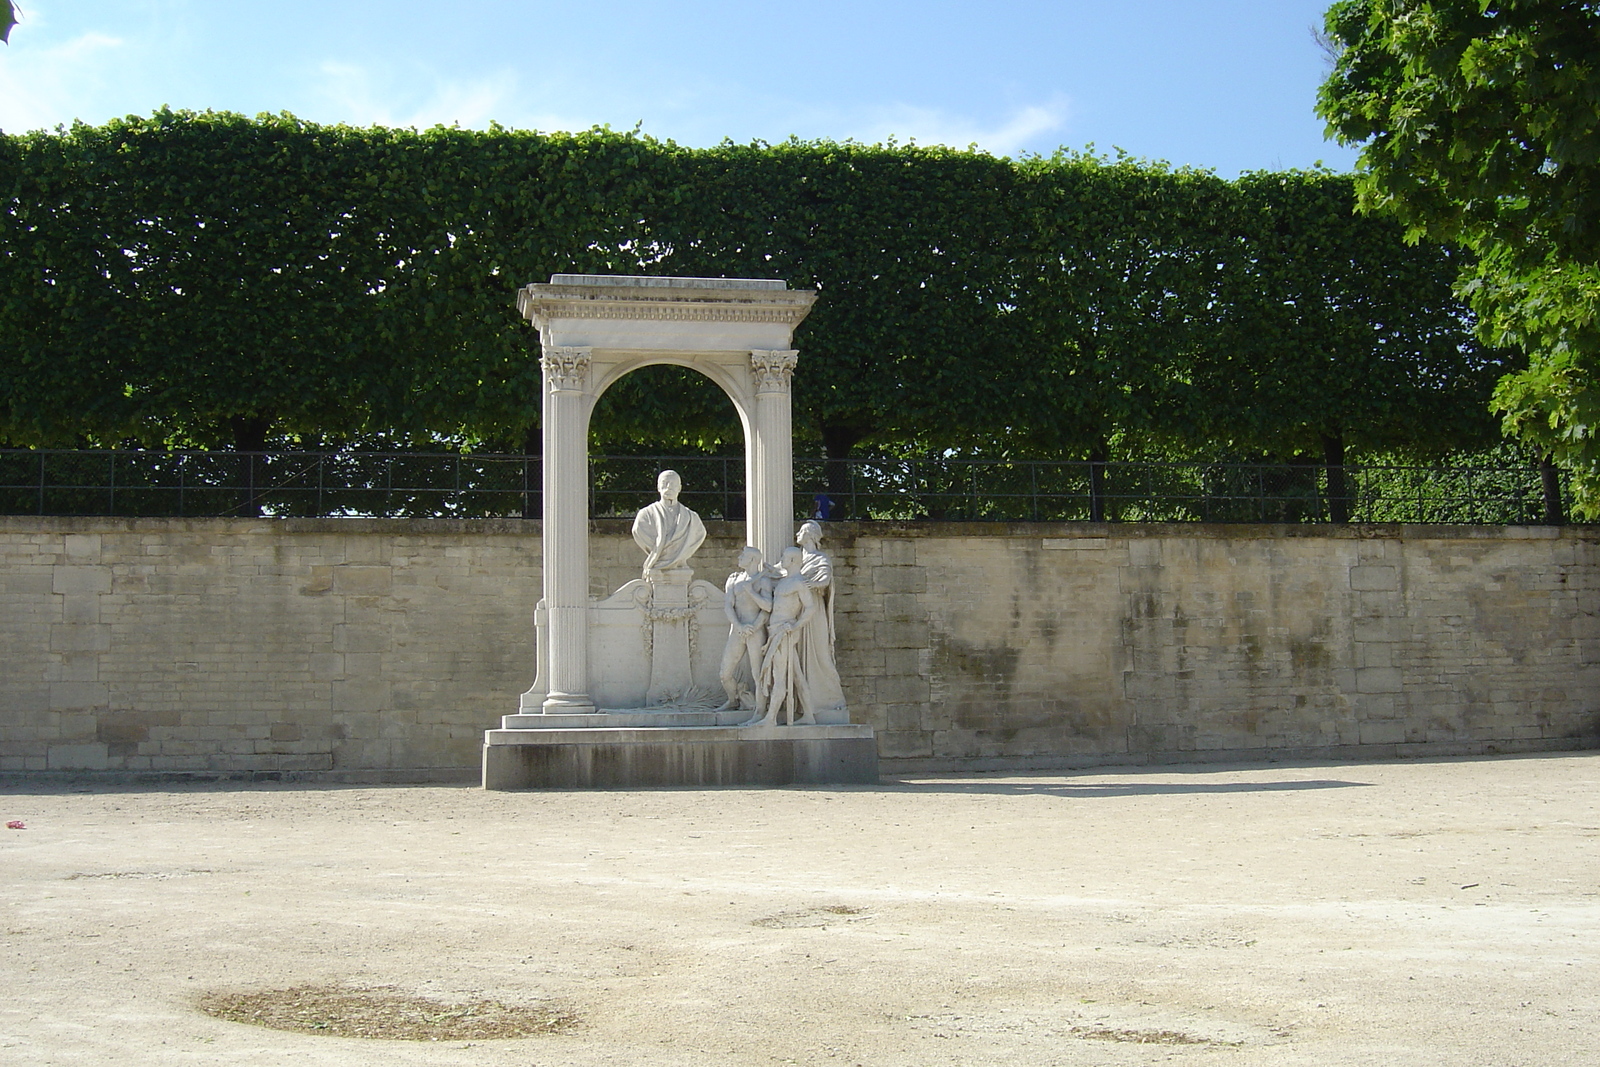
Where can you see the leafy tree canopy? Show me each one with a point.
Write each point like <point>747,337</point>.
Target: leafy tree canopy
<point>1479,122</point>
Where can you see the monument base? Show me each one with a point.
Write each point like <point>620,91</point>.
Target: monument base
<point>634,756</point>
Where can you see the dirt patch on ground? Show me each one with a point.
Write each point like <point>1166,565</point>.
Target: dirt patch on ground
<point>802,918</point>
<point>336,1011</point>
<point>1147,1037</point>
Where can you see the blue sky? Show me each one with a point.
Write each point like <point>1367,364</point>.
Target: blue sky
<point>1223,84</point>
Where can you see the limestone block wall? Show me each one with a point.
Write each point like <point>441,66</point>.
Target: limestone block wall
<point>271,646</point>
<point>383,648</point>
<point>1011,646</point>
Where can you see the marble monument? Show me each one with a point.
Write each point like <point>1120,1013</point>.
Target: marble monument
<point>627,688</point>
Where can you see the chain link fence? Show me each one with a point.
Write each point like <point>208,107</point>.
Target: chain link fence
<point>468,485</point>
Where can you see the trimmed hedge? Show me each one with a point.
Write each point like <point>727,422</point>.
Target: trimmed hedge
<point>213,279</point>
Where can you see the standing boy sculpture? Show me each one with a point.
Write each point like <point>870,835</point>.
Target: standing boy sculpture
<point>747,601</point>
<point>794,605</point>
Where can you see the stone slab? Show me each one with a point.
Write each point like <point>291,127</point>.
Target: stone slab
<point>635,758</point>
<point>636,281</point>
<point>644,717</point>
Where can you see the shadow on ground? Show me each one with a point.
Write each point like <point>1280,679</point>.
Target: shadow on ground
<point>1110,789</point>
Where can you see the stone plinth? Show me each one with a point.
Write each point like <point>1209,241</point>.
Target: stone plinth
<point>630,756</point>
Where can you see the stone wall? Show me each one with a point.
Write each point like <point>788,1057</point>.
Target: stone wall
<point>1017,646</point>
<point>383,648</point>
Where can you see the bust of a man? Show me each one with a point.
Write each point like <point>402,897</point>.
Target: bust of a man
<point>668,531</point>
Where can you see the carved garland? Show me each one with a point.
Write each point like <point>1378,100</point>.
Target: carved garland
<point>645,598</point>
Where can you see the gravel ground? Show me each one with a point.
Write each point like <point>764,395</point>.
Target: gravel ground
<point>1439,912</point>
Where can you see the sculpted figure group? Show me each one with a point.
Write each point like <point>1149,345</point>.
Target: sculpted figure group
<point>781,623</point>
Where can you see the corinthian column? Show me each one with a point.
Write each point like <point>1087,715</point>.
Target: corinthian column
<point>566,528</point>
<point>769,463</point>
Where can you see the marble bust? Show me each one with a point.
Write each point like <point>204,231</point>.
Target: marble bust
<point>668,531</point>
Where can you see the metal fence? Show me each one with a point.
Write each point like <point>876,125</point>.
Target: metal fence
<point>466,485</point>
<point>1051,491</point>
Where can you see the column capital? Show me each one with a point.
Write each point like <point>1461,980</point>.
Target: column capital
<point>773,368</point>
<point>566,368</point>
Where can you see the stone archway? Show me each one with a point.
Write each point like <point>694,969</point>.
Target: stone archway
<point>593,330</point>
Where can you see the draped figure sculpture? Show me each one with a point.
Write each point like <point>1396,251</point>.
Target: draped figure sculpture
<point>824,693</point>
<point>668,531</point>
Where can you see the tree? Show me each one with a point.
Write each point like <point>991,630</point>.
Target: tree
<point>1332,335</point>
<point>1478,124</point>
<point>1119,277</point>
<point>914,250</point>
<point>8,19</point>
<point>210,279</point>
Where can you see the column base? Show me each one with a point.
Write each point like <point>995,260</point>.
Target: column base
<point>569,704</point>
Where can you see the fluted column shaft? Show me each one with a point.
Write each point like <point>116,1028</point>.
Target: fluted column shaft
<point>769,465</point>
<point>566,527</point>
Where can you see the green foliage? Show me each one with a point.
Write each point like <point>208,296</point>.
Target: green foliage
<point>1333,333</point>
<point>1122,280</point>
<point>210,279</point>
<point>179,277</point>
<point>1479,124</point>
<point>1478,118</point>
<point>912,250</point>
<point>8,19</point>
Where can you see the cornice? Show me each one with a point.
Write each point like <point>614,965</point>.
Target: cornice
<point>542,302</point>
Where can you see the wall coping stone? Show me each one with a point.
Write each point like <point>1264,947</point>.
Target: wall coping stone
<point>836,532</point>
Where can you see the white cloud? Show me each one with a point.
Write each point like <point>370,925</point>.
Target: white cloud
<point>42,87</point>
<point>362,96</point>
<point>1020,131</point>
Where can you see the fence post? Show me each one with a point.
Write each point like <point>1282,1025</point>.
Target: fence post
<point>248,505</point>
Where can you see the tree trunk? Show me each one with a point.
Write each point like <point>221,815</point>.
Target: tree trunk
<point>1098,456</point>
<point>1338,489</point>
<point>837,441</point>
<point>250,439</point>
<point>1550,483</point>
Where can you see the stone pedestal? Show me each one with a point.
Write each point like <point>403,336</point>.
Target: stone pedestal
<point>669,615</point>
<point>636,756</point>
